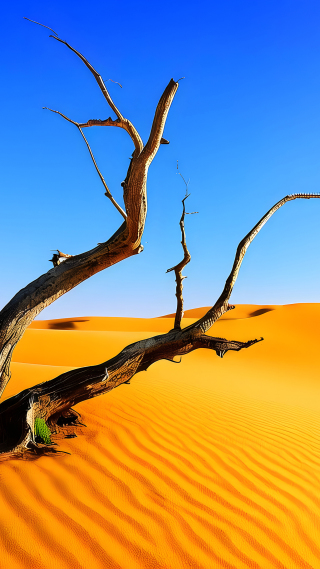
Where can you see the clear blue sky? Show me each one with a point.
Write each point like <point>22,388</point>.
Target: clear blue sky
<point>245,126</point>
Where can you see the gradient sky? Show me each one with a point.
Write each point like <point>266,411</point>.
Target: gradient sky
<point>245,126</point>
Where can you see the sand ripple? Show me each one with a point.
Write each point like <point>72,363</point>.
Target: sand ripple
<point>210,464</point>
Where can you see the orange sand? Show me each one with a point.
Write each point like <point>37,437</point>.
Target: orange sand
<point>208,464</point>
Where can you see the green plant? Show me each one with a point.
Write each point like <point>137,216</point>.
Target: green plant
<point>42,430</point>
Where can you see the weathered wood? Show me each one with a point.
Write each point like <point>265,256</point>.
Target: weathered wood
<point>52,401</point>
<point>186,259</point>
<point>179,268</point>
<point>221,306</point>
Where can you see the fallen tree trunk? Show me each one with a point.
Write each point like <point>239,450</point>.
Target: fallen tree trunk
<point>49,404</point>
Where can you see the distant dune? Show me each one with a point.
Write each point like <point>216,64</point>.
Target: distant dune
<point>213,463</point>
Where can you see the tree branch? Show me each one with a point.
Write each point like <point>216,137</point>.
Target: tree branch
<point>221,345</point>
<point>96,75</point>
<point>126,124</point>
<point>186,259</point>
<point>107,192</point>
<point>179,268</point>
<point>159,120</point>
<point>105,122</point>
<point>221,306</point>
<point>134,185</point>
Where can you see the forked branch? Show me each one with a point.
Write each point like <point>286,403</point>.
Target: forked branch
<point>123,122</point>
<point>221,306</point>
<point>107,191</point>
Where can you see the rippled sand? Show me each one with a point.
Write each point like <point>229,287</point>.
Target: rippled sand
<point>208,464</point>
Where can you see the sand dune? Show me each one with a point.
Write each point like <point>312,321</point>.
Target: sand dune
<point>208,464</point>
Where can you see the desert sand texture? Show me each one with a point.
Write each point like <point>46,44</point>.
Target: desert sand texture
<point>212,463</point>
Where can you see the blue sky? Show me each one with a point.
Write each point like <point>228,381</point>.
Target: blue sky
<point>245,126</point>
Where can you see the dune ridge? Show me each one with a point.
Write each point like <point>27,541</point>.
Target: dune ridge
<point>210,463</point>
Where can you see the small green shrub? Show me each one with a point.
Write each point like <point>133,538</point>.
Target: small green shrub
<point>42,430</point>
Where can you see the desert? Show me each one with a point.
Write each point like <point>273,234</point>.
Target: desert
<point>209,463</point>
<point>148,421</point>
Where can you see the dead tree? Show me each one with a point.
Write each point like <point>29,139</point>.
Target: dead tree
<point>31,421</point>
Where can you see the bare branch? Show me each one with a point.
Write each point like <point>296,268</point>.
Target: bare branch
<point>105,122</point>
<point>116,82</point>
<point>159,121</point>
<point>134,185</point>
<point>124,124</point>
<point>62,115</point>
<point>221,345</point>
<point>135,137</point>
<point>179,268</point>
<point>34,22</point>
<point>96,75</point>
<point>221,305</point>
<point>179,174</point>
<point>186,259</point>
<point>107,192</point>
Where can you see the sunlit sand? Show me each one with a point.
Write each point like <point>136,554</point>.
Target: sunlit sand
<point>212,463</point>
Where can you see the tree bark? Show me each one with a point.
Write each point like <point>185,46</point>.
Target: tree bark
<point>52,401</point>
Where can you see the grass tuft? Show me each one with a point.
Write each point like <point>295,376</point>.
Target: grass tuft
<point>42,430</point>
